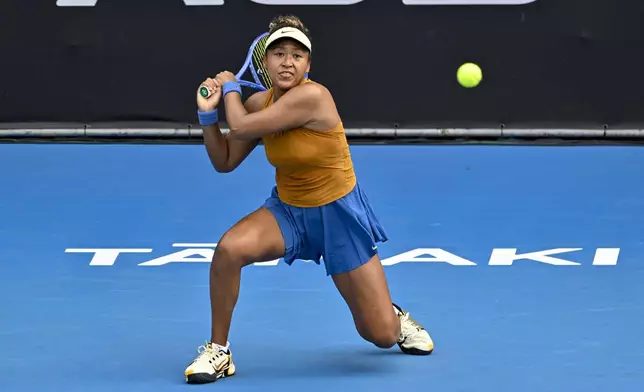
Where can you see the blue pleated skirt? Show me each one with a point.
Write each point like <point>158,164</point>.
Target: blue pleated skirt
<point>344,233</point>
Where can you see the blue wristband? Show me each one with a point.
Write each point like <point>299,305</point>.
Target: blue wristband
<point>208,118</point>
<point>230,87</point>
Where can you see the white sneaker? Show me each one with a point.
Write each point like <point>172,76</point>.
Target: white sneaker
<point>414,339</point>
<point>211,364</point>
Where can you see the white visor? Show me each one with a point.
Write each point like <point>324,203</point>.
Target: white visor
<point>289,32</point>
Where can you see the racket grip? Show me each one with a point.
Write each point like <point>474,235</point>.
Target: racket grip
<point>205,92</point>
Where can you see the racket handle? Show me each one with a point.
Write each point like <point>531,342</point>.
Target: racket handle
<point>205,92</point>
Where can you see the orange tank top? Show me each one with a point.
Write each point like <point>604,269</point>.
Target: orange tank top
<point>312,168</point>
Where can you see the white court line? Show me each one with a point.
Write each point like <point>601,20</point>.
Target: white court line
<point>196,245</point>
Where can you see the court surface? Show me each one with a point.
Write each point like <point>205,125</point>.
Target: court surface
<point>75,317</point>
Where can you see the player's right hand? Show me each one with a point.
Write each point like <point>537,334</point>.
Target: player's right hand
<point>210,103</point>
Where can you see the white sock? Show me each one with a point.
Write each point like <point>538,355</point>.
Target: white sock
<point>222,348</point>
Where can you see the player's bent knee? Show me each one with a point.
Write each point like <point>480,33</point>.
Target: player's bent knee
<point>384,339</point>
<point>384,335</point>
<point>232,251</point>
<point>256,238</point>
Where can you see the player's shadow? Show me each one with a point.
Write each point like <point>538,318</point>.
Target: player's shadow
<point>325,362</point>
<point>257,362</point>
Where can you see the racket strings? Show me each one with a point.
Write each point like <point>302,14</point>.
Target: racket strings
<point>258,55</point>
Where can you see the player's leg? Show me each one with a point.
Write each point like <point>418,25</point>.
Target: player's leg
<point>264,235</point>
<point>365,291</point>
<point>377,319</point>
<point>255,238</point>
<point>351,232</point>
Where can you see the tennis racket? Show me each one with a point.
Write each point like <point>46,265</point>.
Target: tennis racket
<point>261,79</point>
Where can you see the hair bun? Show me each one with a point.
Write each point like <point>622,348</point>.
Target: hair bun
<point>287,21</point>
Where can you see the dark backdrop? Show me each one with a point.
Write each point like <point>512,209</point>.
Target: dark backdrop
<point>551,63</point>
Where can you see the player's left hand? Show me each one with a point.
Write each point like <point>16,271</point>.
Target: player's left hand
<point>226,76</point>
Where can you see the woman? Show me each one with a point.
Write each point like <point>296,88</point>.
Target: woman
<point>317,208</point>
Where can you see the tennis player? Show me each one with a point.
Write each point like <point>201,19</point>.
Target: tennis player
<point>317,209</point>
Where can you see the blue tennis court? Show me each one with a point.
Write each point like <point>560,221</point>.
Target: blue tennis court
<point>524,263</point>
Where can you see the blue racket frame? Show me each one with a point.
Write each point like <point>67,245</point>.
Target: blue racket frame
<point>249,64</point>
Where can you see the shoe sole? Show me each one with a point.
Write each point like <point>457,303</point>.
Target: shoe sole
<point>414,351</point>
<point>205,378</point>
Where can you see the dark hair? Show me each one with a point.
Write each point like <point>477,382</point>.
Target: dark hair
<point>288,21</point>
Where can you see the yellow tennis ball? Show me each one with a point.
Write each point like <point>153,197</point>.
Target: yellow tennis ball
<point>469,75</point>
